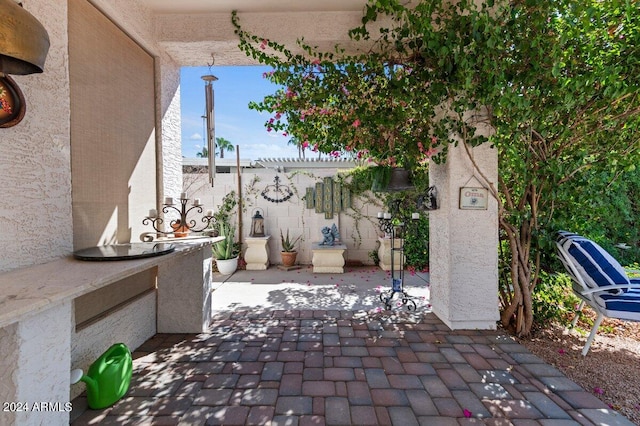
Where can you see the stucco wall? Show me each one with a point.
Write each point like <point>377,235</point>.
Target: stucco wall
<point>132,325</point>
<point>35,173</point>
<point>35,176</point>
<point>292,214</point>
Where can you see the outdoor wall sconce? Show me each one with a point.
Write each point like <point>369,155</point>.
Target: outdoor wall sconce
<point>429,201</point>
<point>257,224</point>
<point>24,44</point>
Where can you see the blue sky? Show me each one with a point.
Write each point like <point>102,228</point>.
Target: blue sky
<point>235,88</point>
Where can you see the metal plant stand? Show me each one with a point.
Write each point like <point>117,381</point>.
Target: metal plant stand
<point>396,231</point>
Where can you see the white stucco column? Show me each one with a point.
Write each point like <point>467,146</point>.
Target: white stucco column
<point>35,368</point>
<point>463,244</point>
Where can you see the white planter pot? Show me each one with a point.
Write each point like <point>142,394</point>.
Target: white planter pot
<point>227,266</point>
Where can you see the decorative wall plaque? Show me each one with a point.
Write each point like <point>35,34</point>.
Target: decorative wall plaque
<point>474,198</point>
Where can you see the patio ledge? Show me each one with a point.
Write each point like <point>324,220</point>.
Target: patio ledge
<point>28,291</point>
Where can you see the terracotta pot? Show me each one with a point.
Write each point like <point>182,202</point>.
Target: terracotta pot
<point>179,230</point>
<point>288,257</point>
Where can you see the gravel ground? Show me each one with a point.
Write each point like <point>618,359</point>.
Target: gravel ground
<point>611,369</point>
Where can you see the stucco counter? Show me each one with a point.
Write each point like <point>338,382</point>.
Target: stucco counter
<point>63,314</point>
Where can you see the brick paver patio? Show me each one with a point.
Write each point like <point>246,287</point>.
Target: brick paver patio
<point>335,367</point>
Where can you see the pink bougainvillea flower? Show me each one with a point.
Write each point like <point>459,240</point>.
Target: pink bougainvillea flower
<point>356,123</point>
<point>378,309</point>
<point>434,140</point>
<point>305,144</point>
<point>278,116</point>
<point>263,44</point>
<point>285,134</point>
<point>467,413</point>
<point>290,93</point>
<point>598,391</point>
<point>562,351</point>
<point>315,62</point>
<point>430,152</point>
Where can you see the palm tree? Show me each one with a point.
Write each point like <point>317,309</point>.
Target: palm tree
<point>223,145</point>
<point>295,141</point>
<point>204,153</point>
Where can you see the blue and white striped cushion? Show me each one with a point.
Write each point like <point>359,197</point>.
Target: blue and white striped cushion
<point>597,267</point>
<point>627,302</point>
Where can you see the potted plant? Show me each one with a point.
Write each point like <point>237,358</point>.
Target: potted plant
<point>225,251</point>
<point>288,252</point>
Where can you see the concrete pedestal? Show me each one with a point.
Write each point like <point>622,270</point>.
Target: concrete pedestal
<point>384,254</point>
<point>257,253</point>
<point>328,259</point>
<point>184,293</point>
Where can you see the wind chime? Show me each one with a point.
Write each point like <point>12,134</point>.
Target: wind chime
<point>210,121</point>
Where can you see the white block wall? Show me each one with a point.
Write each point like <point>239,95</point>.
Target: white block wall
<point>292,214</point>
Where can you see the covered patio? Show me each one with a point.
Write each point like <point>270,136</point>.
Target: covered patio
<point>99,147</point>
<point>298,348</point>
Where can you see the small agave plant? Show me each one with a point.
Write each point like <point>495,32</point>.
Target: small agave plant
<point>225,249</point>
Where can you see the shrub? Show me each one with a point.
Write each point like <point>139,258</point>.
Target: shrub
<point>553,299</point>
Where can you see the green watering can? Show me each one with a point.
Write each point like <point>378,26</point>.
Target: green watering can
<point>108,377</point>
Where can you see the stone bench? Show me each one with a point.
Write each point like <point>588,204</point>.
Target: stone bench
<point>328,259</point>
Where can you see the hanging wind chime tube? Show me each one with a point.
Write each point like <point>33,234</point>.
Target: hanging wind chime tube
<point>211,127</point>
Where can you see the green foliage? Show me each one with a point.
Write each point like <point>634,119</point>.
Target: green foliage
<point>553,300</point>
<point>556,83</point>
<point>223,216</point>
<point>374,256</point>
<point>227,248</point>
<point>288,244</point>
<point>416,231</point>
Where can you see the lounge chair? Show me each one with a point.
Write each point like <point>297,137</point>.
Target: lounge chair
<point>599,281</point>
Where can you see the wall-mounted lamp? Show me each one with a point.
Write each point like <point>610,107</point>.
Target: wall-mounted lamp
<point>24,43</point>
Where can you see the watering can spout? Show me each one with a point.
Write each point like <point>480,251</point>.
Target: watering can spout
<point>92,386</point>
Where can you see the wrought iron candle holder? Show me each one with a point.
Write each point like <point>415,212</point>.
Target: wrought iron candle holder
<point>395,227</point>
<point>182,226</point>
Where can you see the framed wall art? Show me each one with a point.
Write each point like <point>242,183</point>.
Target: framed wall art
<point>12,105</point>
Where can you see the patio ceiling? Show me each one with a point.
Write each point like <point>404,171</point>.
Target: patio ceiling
<point>191,31</point>
<point>226,6</point>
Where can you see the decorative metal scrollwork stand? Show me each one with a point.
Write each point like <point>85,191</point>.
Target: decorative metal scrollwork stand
<point>395,228</point>
<point>183,225</point>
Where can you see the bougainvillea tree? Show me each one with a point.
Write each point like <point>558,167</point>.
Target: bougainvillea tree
<point>557,81</point>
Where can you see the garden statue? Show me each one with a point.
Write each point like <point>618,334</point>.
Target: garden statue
<point>330,235</point>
